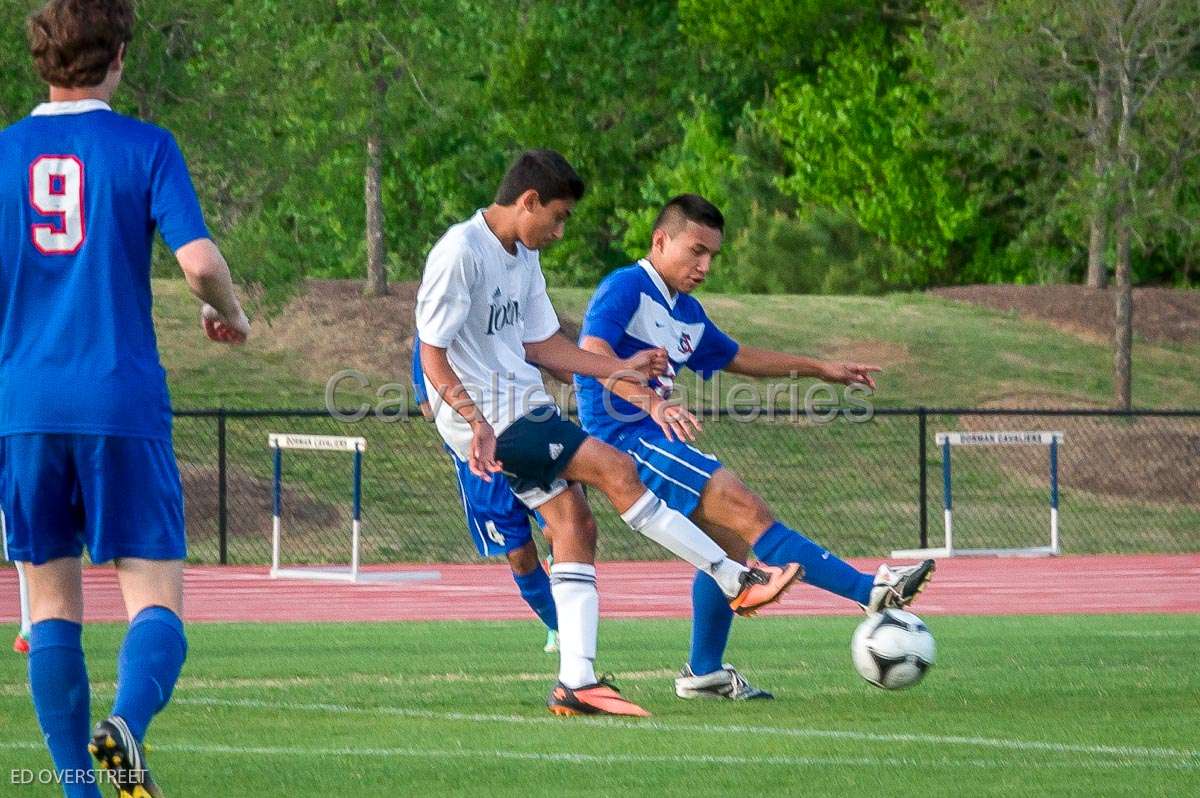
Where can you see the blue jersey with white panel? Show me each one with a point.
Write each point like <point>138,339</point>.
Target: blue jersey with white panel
<point>633,310</point>
<point>82,191</point>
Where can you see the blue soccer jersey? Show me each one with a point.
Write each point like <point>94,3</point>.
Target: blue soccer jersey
<point>82,191</point>
<point>633,310</point>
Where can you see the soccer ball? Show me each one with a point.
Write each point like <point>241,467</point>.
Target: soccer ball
<point>892,649</point>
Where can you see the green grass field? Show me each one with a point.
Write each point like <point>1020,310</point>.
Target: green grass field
<point>1045,706</point>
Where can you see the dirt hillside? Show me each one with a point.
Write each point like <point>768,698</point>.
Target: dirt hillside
<point>1159,314</point>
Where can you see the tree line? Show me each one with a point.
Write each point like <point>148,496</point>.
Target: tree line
<point>856,146</point>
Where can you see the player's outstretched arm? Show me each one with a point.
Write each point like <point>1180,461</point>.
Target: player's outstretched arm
<point>753,362</point>
<point>672,417</point>
<point>208,276</point>
<point>558,354</point>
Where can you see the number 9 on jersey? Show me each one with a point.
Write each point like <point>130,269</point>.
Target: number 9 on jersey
<point>56,190</point>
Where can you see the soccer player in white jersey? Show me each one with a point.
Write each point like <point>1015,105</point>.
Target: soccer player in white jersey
<point>86,460</point>
<point>484,320</point>
<point>21,643</point>
<point>648,305</point>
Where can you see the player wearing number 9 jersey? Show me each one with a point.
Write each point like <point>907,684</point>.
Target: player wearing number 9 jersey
<point>86,459</point>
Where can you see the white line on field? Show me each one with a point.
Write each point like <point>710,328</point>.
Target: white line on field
<point>609,759</point>
<point>1188,758</point>
<point>1148,633</point>
<point>188,683</point>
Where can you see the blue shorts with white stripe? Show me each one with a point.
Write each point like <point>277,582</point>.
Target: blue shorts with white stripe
<point>674,471</point>
<point>496,519</point>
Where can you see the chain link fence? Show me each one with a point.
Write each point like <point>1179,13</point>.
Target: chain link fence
<point>1130,482</point>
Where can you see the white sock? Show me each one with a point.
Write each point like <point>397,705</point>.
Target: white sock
<point>669,528</point>
<point>26,622</point>
<point>573,585</point>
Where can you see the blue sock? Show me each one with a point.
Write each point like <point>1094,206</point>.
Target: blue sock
<point>150,660</point>
<point>62,699</point>
<point>535,589</point>
<point>711,619</point>
<point>779,545</point>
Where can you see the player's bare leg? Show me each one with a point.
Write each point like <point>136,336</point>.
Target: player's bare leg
<point>614,473</point>
<point>727,502</point>
<point>150,583</point>
<point>21,642</point>
<point>56,590</point>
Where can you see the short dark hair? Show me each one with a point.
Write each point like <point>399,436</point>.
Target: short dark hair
<point>544,171</point>
<point>74,42</point>
<point>685,208</point>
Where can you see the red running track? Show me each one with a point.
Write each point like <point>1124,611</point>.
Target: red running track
<point>1060,585</point>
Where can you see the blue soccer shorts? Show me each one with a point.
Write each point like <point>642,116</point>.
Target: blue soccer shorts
<point>115,496</point>
<point>496,519</point>
<point>674,471</point>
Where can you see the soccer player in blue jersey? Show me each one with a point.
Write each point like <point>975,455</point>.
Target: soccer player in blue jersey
<point>86,459</point>
<point>649,304</point>
<point>498,523</point>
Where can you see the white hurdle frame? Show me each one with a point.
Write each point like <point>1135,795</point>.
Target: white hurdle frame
<point>277,442</point>
<point>1052,440</point>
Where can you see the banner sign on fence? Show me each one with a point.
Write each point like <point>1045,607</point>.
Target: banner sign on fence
<point>325,443</point>
<point>994,438</point>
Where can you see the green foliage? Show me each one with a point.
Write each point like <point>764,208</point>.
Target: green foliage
<point>857,146</point>
<point>704,162</point>
<point>20,89</point>
<point>769,41</point>
<point>856,140</point>
<point>812,252</point>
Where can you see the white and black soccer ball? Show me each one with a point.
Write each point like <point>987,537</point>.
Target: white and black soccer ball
<point>892,649</point>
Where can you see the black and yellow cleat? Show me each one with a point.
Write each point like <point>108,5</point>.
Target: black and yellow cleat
<point>118,752</point>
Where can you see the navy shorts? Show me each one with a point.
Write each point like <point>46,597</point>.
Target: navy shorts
<point>115,496</point>
<point>534,450</point>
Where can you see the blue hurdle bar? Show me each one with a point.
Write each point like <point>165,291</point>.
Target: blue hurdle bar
<point>947,500</point>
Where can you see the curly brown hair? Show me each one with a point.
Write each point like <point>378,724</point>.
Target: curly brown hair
<point>74,42</point>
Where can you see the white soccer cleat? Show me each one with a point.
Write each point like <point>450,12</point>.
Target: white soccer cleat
<point>551,646</point>
<point>897,587</point>
<point>725,683</point>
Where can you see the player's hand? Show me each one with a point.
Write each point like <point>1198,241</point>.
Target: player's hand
<point>676,422</point>
<point>649,363</point>
<point>482,456</point>
<point>850,373</point>
<point>222,330</point>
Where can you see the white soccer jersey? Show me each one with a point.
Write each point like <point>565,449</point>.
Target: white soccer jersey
<point>482,304</point>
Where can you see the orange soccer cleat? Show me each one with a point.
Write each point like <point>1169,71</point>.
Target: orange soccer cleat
<point>763,585</point>
<point>601,698</point>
